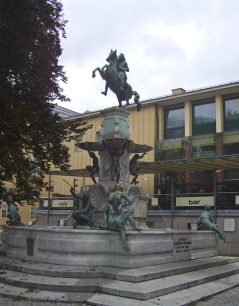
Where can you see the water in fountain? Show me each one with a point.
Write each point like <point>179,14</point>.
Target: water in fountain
<point>165,221</point>
<point>131,134</point>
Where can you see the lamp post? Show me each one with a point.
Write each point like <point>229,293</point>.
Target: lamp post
<point>74,200</point>
<point>48,205</point>
<point>75,185</point>
<point>172,197</point>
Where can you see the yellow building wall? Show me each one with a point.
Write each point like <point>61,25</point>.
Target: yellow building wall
<point>78,160</point>
<point>142,125</point>
<point>188,118</point>
<point>219,113</point>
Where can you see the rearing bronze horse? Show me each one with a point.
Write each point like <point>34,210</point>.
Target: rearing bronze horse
<point>115,77</point>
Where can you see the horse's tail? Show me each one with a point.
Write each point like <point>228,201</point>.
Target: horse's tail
<point>136,100</point>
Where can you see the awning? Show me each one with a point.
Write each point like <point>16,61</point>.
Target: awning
<point>181,165</point>
<point>193,164</point>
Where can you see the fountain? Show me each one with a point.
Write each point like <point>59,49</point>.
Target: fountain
<point>97,247</point>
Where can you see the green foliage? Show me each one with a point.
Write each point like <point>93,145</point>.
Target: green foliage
<point>18,299</point>
<point>32,135</point>
<point>206,298</point>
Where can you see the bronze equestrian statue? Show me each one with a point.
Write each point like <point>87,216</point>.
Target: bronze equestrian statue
<point>115,76</point>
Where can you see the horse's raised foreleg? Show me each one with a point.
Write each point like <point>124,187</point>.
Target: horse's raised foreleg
<point>106,89</point>
<point>94,71</point>
<point>104,67</point>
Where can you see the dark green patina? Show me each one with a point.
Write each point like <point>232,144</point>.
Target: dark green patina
<point>113,220</point>
<point>13,214</point>
<point>205,222</point>
<point>115,76</point>
<point>83,217</point>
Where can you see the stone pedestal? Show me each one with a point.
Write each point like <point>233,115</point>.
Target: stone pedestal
<point>115,124</point>
<point>115,149</point>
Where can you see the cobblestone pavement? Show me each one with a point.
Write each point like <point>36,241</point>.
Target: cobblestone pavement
<point>12,302</point>
<point>227,298</point>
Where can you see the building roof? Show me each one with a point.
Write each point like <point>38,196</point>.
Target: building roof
<point>65,112</point>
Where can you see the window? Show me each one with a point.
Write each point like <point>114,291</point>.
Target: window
<point>231,112</point>
<point>204,119</point>
<point>61,222</point>
<point>34,213</point>
<point>174,123</point>
<point>79,138</point>
<point>4,211</point>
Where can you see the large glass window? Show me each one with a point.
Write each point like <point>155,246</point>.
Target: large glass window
<point>231,122</point>
<point>204,119</point>
<point>174,123</point>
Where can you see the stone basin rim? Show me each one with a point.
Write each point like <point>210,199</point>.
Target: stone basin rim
<point>97,231</point>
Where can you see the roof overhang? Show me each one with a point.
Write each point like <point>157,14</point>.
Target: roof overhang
<point>216,163</point>
<point>194,164</point>
<point>195,95</point>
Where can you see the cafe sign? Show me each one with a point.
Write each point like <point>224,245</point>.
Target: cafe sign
<point>194,201</point>
<point>62,203</point>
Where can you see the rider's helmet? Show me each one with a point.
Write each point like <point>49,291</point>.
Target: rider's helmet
<point>121,57</point>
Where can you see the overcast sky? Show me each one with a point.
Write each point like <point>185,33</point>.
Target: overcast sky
<point>167,44</point>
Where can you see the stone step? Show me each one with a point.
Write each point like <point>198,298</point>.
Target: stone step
<point>179,298</point>
<point>152,288</point>
<point>140,291</point>
<point>49,283</point>
<point>10,291</point>
<point>129,275</point>
<point>154,272</point>
<point>45,269</point>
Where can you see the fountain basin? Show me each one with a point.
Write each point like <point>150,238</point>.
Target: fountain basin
<point>104,248</point>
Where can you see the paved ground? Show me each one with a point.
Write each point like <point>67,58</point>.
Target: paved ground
<point>12,302</point>
<point>228,298</point>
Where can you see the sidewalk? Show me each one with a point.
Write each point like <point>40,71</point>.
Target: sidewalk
<point>12,302</point>
<point>228,298</point>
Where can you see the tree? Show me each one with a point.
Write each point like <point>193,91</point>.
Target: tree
<point>32,135</point>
